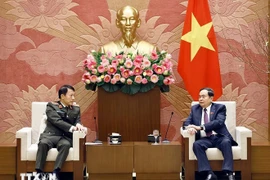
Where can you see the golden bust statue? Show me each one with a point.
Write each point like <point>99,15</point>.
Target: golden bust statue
<point>128,21</point>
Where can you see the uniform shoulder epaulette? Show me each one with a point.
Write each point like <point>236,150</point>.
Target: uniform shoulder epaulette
<point>76,105</point>
<point>54,103</point>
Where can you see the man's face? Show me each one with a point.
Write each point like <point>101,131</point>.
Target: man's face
<point>69,98</point>
<point>128,21</point>
<point>204,99</point>
<point>155,133</point>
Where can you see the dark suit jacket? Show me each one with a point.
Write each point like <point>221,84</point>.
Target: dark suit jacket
<point>217,120</point>
<point>60,119</point>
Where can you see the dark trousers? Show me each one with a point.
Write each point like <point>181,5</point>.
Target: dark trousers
<point>223,143</point>
<point>62,144</point>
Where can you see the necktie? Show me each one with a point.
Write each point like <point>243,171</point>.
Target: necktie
<point>206,120</point>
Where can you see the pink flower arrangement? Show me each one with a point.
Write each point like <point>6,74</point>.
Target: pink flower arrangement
<point>131,73</point>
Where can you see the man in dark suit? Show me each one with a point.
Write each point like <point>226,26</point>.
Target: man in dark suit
<point>207,122</point>
<point>63,118</point>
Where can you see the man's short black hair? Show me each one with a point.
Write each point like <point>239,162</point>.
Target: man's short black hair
<point>209,90</point>
<point>64,90</point>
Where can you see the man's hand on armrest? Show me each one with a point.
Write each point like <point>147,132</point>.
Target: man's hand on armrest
<point>192,129</point>
<point>72,129</point>
<point>197,128</point>
<point>81,128</point>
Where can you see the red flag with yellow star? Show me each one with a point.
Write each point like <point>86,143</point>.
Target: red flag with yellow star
<point>198,62</point>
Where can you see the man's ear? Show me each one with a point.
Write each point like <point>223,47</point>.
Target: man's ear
<point>62,96</point>
<point>139,23</point>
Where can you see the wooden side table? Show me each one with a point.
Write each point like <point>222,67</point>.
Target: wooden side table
<point>107,162</point>
<point>260,159</point>
<point>7,161</point>
<point>157,162</point>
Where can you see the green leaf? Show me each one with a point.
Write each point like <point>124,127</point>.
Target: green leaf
<point>165,88</point>
<point>110,87</point>
<point>130,89</point>
<point>97,56</point>
<point>91,86</point>
<point>100,83</point>
<point>147,87</point>
<point>160,80</point>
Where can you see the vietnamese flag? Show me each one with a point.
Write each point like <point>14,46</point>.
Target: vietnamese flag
<point>198,62</point>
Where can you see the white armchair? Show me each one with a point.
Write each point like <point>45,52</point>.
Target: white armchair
<point>241,153</point>
<point>27,145</point>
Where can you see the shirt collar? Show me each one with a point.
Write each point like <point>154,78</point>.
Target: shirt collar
<point>208,108</point>
<point>62,104</point>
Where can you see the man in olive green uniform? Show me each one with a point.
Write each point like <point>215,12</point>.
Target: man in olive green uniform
<point>63,118</point>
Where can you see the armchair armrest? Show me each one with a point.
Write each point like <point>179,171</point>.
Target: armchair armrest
<point>77,135</point>
<point>25,135</point>
<point>242,133</point>
<point>191,140</point>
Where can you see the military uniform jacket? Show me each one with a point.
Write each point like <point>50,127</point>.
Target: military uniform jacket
<point>60,119</point>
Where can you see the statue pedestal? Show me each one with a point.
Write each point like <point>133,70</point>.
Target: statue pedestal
<point>132,116</point>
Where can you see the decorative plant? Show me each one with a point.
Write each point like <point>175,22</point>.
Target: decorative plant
<point>128,72</point>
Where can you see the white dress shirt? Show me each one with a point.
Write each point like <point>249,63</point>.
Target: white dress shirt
<point>203,133</point>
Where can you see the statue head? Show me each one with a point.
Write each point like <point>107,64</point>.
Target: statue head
<point>128,21</point>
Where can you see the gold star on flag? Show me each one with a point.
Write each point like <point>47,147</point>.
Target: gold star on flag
<point>197,37</point>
